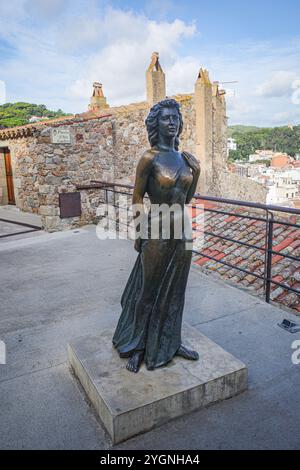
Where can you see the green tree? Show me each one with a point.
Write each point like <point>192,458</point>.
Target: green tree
<point>280,139</point>
<point>18,114</point>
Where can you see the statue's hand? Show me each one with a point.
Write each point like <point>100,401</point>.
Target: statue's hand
<point>138,245</point>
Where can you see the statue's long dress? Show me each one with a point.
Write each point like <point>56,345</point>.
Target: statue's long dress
<point>153,299</point>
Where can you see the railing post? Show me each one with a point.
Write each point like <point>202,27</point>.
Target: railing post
<point>117,212</point>
<point>269,258</point>
<point>266,250</point>
<point>106,202</point>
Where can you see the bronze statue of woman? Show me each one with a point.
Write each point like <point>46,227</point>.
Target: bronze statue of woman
<point>149,328</point>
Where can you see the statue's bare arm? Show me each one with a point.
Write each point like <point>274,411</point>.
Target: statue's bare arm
<point>195,166</point>
<point>143,171</point>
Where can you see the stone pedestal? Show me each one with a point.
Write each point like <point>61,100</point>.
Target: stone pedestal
<point>129,404</point>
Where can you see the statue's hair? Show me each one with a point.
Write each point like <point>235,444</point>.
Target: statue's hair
<point>152,121</point>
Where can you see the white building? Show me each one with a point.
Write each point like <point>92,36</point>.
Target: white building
<point>37,118</point>
<point>284,187</point>
<point>264,155</point>
<point>231,145</point>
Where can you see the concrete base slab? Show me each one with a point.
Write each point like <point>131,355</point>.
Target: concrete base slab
<point>129,404</point>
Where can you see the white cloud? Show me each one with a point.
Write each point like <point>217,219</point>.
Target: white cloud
<point>182,75</point>
<point>79,33</point>
<point>121,63</point>
<point>60,47</point>
<point>279,84</point>
<point>2,92</point>
<point>80,89</point>
<point>253,64</point>
<point>286,117</point>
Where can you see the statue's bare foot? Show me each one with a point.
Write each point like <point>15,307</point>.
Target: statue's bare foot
<point>135,361</point>
<point>183,351</point>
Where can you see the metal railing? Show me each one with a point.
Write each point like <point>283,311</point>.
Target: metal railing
<point>269,221</point>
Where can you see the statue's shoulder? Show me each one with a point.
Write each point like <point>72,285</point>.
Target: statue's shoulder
<point>148,156</point>
<point>192,161</point>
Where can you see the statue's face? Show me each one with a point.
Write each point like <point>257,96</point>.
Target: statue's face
<point>168,122</point>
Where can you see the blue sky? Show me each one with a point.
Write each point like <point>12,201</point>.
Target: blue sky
<point>52,50</point>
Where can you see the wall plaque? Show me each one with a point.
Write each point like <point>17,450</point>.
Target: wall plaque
<point>70,205</point>
<point>60,135</point>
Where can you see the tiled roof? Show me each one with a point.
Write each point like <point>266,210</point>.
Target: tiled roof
<point>286,240</point>
<point>29,129</point>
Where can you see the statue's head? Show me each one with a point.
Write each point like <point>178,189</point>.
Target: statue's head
<point>164,118</point>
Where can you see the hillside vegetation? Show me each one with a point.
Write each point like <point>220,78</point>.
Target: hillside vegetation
<point>249,138</point>
<point>18,114</point>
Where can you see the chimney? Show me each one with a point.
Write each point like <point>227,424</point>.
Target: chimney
<point>204,126</point>
<point>155,81</point>
<point>98,100</point>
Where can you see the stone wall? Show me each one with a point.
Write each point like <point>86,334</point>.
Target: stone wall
<point>130,139</point>
<point>90,156</point>
<point>231,186</point>
<point>43,169</point>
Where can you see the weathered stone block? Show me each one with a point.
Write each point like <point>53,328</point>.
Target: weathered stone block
<point>129,404</point>
<point>49,210</point>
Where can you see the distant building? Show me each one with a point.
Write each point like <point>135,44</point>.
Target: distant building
<point>266,155</point>
<point>231,145</point>
<point>282,195</point>
<point>282,184</point>
<point>37,118</point>
<point>282,160</point>
<point>241,169</point>
<point>284,188</point>
<point>276,159</point>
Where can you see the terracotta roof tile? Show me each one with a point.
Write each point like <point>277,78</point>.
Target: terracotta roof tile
<point>286,240</point>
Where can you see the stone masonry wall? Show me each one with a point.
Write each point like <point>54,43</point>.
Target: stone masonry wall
<point>43,170</point>
<point>231,186</point>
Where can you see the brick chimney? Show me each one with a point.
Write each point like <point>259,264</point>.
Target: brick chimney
<point>155,81</point>
<point>98,100</point>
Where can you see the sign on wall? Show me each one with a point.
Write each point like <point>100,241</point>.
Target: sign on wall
<point>60,135</point>
<point>70,205</point>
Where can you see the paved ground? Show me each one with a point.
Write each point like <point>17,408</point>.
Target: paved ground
<point>15,214</point>
<point>12,222</point>
<point>59,286</point>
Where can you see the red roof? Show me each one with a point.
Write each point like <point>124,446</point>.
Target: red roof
<point>286,240</point>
